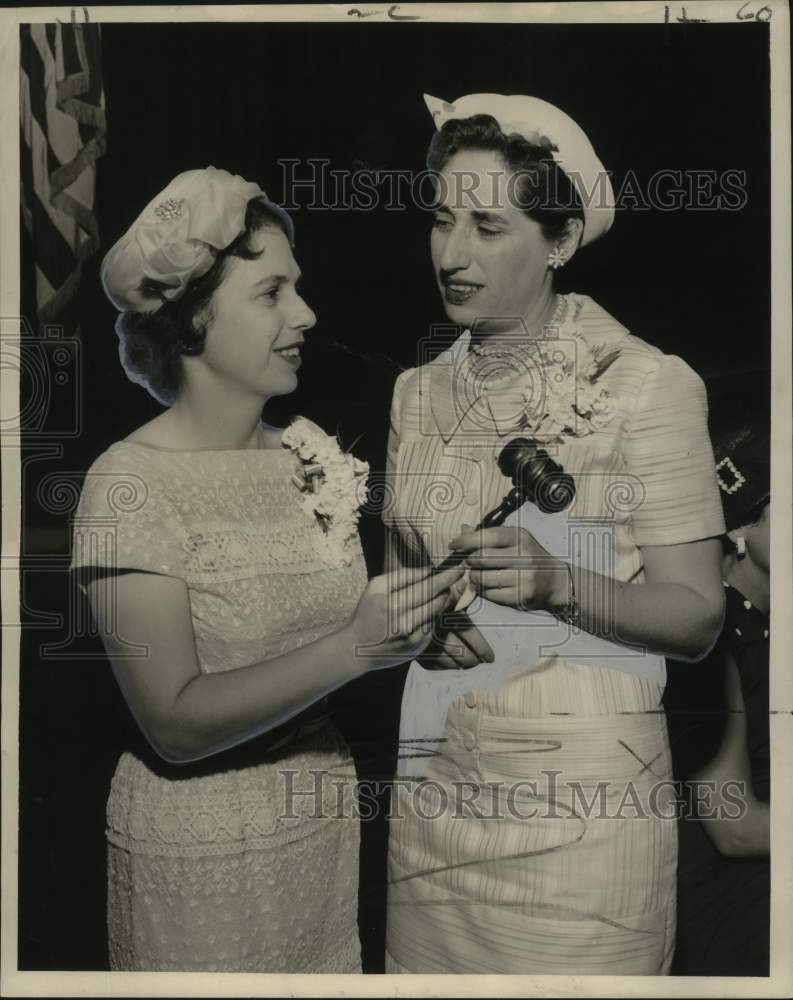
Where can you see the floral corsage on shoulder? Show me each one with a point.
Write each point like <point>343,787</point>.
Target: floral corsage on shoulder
<point>550,387</point>
<point>573,402</point>
<point>333,484</point>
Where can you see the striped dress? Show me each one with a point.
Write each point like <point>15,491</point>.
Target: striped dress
<point>533,819</point>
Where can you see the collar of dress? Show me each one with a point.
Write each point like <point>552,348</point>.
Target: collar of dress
<point>444,377</point>
<point>459,406</point>
<point>456,405</point>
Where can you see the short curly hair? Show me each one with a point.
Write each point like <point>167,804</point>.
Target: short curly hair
<point>151,345</point>
<point>543,190</point>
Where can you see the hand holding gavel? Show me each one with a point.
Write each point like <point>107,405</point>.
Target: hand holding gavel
<point>535,477</point>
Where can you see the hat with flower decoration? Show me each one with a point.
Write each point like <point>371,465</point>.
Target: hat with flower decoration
<point>177,236</point>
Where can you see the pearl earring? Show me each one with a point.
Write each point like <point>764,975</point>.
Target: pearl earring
<point>556,258</point>
<point>740,546</point>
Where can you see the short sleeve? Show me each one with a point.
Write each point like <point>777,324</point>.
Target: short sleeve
<point>668,448</point>
<point>392,450</point>
<point>126,521</point>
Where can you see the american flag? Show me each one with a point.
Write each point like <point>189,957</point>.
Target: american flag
<point>62,119</point>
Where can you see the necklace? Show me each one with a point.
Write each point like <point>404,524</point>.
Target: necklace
<point>489,366</point>
<point>548,384</point>
<point>518,348</point>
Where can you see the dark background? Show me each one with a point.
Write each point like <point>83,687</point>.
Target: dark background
<point>241,97</point>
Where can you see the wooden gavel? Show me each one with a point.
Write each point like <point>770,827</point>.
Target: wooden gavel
<point>535,477</point>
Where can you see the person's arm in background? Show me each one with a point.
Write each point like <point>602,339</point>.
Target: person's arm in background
<point>749,835</point>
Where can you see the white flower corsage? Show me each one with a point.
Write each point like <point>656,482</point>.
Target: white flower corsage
<point>571,403</point>
<point>548,387</point>
<point>333,484</point>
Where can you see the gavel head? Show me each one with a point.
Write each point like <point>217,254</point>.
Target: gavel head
<point>516,458</point>
<point>535,474</point>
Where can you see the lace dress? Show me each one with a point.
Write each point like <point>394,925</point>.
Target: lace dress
<point>248,860</point>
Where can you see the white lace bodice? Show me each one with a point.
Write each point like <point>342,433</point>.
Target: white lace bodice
<point>231,525</point>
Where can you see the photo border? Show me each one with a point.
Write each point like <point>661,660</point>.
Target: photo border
<point>780,982</point>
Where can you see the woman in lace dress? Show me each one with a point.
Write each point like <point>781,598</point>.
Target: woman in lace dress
<point>534,828</point>
<point>221,559</point>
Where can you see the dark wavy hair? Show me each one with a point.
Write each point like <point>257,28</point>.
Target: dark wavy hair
<point>542,189</point>
<point>151,345</point>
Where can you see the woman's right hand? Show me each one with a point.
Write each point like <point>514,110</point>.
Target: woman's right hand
<point>393,621</point>
<point>457,644</point>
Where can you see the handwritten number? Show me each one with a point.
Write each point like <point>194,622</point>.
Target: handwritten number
<point>684,18</point>
<point>763,14</point>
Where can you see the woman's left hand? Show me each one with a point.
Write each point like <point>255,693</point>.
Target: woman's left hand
<point>509,566</point>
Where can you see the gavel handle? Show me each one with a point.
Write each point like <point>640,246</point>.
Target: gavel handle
<point>494,519</point>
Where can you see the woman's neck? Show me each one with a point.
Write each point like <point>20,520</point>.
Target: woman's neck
<point>749,579</point>
<point>540,315</point>
<point>216,424</point>
<point>543,313</point>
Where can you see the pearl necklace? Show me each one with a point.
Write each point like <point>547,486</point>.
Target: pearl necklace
<point>491,365</point>
<point>521,347</point>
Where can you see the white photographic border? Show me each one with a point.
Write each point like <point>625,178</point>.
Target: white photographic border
<point>103,984</point>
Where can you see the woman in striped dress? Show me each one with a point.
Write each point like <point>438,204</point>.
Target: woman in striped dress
<point>533,822</point>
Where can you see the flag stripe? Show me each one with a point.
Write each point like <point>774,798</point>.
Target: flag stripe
<point>26,178</point>
<point>63,134</point>
<point>54,255</point>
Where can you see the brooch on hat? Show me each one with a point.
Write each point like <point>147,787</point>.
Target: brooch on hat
<point>737,478</point>
<point>171,208</point>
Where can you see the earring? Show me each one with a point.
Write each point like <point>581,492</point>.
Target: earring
<point>740,546</point>
<point>556,258</point>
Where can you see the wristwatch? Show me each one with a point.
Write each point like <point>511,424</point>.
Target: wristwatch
<point>569,613</point>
